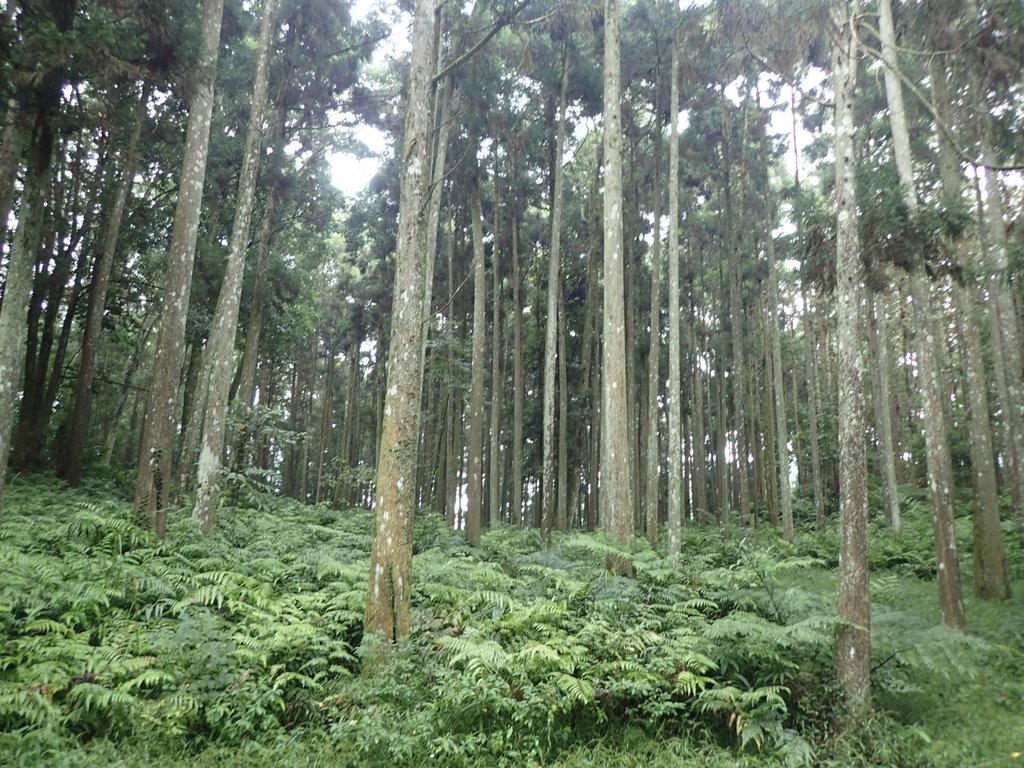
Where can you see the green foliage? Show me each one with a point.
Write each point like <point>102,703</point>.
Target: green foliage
<point>243,649</point>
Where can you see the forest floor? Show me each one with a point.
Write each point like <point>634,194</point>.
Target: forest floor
<point>242,650</point>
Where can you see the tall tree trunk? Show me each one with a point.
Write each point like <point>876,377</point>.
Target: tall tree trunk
<point>991,577</point>
<point>221,344</point>
<point>653,475</point>
<point>18,287</point>
<point>883,415</point>
<point>475,488</point>
<point>675,377</point>
<point>616,482</point>
<point>940,469</point>
<point>156,446</point>
<point>518,388</point>
<point>388,597</point>
<point>69,457</point>
<point>562,517</point>
<point>853,644</point>
<point>549,495</point>
<point>775,356</point>
<point>1006,331</point>
<point>497,390</point>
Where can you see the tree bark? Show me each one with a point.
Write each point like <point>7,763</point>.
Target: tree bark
<point>475,487</point>
<point>18,286</point>
<point>877,328</point>
<point>549,497</point>
<point>221,344</point>
<point>675,376</point>
<point>69,457</point>
<point>616,482</point>
<point>389,595</point>
<point>156,445</point>
<point>940,469</point>
<point>853,644</point>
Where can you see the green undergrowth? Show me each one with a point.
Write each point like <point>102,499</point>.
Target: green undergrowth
<point>243,649</point>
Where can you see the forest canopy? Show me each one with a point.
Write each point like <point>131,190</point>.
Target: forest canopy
<point>637,292</point>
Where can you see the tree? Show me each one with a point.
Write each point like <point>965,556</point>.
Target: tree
<point>853,639</point>
<point>221,344</point>
<point>388,596</point>
<point>940,470</point>
<point>675,409</point>
<point>616,480</point>
<point>156,445</point>
<point>551,489</point>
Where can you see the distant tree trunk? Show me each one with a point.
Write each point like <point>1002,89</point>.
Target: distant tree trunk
<point>940,469</point>
<point>878,333</point>
<point>475,488</point>
<point>18,287</point>
<point>653,480</point>
<point>221,344</point>
<point>549,497</point>
<point>156,447</point>
<point>616,486</point>
<point>389,590</point>
<point>853,643</point>
<point>246,390</point>
<point>775,356</point>
<point>69,455</point>
<point>675,375</point>
<point>497,390</point>
<point>1006,332</point>
<point>700,459</point>
<point>518,388</point>
<point>562,518</point>
<point>991,577</point>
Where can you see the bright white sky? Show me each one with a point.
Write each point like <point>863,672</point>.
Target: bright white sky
<point>349,173</point>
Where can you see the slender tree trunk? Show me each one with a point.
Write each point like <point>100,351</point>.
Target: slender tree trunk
<point>653,482</point>
<point>221,344</point>
<point>519,390</point>
<point>616,482</point>
<point>156,447</point>
<point>388,598</point>
<point>562,517</point>
<point>549,496</point>
<point>18,286</point>
<point>1006,331</point>
<point>853,644</point>
<point>475,488</point>
<point>675,378</point>
<point>991,577</point>
<point>883,416</point>
<point>497,389</point>
<point>69,466</point>
<point>940,469</point>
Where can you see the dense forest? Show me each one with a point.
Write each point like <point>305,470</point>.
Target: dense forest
<point>658,401</point>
